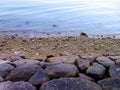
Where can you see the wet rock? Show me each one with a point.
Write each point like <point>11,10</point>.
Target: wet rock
<point>22,73</point>
<point>96,70</point>
<point>1,79</point>
<point>62,70</point>
<point>39,77</point>
<point>21,85</point>
<point>70,84</point>
<point>5,69</point>
<point>26,61</point>
<point>83,76</point>
<point>63,59</point>
<point>13,58</point>
<point>105,61</point>
<point>110,83</point>
<point>83,64</point>
<point>114,70</point>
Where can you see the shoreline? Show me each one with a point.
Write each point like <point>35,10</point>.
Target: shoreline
<point>40,47</point>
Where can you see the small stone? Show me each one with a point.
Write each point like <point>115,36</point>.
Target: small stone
<point>96,70</point>
<point>114,57</point>
<point>114,70</point>
<point>110,83</point>
<point>62,70</point>
<point>105,61</point>
<point>117,61</point>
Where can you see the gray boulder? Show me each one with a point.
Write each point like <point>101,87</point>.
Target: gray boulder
<point>105,61</point>
<point>70,84</point>
<point>114,70</point>
<point>61,70</point>
<point>8,85</point>
<point>5,69</point>
<point>26,61</point>
<point>22,73</point>
<point>96,70</point>
<point>83,64</point>
<point>110,83</point>
<point>38,78</point>
<point>83,76</point>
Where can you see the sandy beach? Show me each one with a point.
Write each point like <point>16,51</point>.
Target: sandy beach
<point>41,47</point>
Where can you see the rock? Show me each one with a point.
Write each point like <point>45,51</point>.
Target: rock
<point>5,69</point>
<point>8,85</point>
<point>38,78</point>
<point>114,70</point>
<point>83,34</point>
<point>70,84</point>
<point>63,59</point>
<point>5,85</point>
<point>117,61</point>
<point>13,58</point>
<point>96,70</point>
<point>114,57</point>
<point>4,62</point>
<point>22,73</point>
<point>62,70</point>
<point>21,85</point>
<point>110,83</point>
<point>83,76</point>
<point>26,61</point>
<point>46,64</point>
<point>1,79</point>
<point>105,61</point>
<point>83,64</point>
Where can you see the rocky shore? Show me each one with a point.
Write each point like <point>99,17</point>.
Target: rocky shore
<point>61,72</point>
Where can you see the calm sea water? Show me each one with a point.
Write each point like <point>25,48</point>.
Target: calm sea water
<point>90,16</point>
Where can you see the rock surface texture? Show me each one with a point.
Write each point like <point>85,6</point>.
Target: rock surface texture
<point>61,72</point>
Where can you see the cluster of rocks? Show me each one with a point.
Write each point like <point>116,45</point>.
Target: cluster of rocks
<point>63,72</point>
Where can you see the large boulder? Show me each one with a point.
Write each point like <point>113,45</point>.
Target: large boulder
<point>70,84</point>
<point>110,83</point>
<point>26,61</point>
<point>83,64</point>
<point>22,73</point>
<point>96,70</point>
<point>105,61</point>
<point>61,70</point>
<point>38,78</point>
<point>114,70</point>
<point>5,69</point>
<point>8,85</point>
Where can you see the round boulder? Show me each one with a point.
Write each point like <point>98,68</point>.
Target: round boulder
<point>114,70</point>
<point>70,84</point>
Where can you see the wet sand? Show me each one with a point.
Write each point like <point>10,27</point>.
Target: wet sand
<point>38,48</point>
